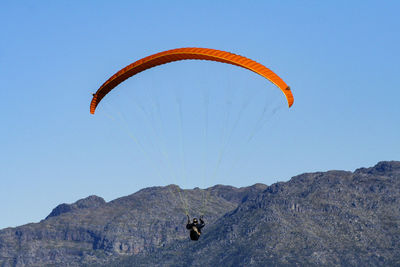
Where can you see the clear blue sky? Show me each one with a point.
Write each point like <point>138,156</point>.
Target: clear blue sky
<point>341,59</point>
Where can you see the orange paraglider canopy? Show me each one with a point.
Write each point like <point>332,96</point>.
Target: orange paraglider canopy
<point>188,53</point>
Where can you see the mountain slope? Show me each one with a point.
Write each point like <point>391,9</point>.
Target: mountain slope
<point>330,218</point>
<point>93,231</point>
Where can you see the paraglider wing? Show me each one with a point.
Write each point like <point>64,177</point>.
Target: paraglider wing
<point>183,54</point>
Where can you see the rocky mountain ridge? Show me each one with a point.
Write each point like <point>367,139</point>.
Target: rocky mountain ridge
<point>325,218</point>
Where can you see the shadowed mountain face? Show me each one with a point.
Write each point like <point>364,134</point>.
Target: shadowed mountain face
<point>325,218</point>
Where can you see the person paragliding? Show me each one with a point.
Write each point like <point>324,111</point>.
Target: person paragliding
<point>195,228</point>
<point>189,53</point>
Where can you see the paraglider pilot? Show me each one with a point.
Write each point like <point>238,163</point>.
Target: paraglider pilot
<point>195,228</point>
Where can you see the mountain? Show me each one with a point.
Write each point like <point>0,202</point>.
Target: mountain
<point>334,218</point>
<point>93,231</point>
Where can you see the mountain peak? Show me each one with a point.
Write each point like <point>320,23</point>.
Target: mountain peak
<point>382,168</point>
<point>85,203</point>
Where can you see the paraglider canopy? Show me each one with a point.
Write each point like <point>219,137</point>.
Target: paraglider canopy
<point>185,54</point>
